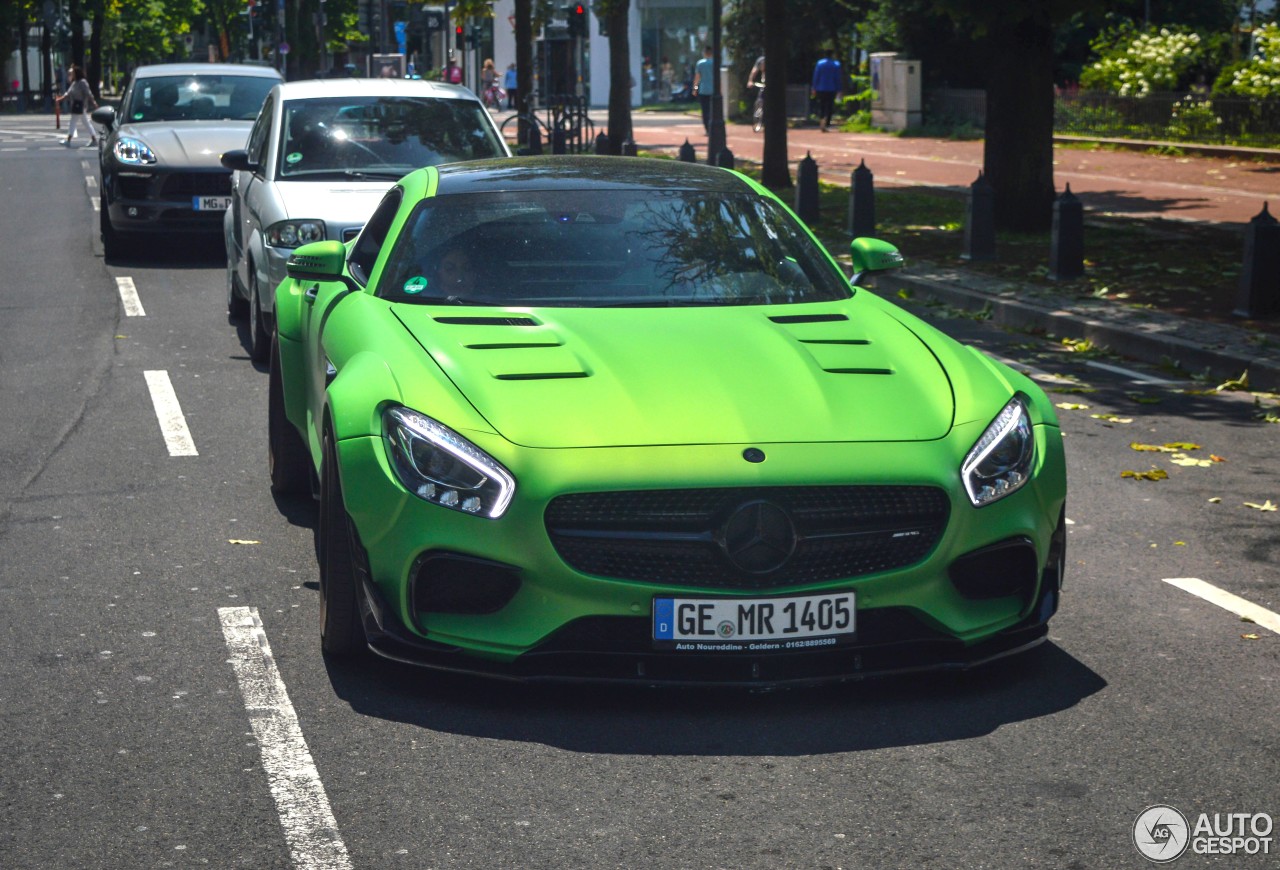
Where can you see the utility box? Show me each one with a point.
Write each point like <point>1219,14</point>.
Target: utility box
<point>897,104</point>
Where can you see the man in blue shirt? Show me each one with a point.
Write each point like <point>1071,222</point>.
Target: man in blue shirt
<point>828,81</point>
<point>704,85</point>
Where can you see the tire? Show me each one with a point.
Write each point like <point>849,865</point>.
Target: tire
<point>341,632</point>
<point>288,461</point>
<point>259,338</point>
<point>757,118</point>
<point>113,245</point>
<point>237,305</point>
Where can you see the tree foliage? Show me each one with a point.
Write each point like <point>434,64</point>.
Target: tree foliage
<point>1259,76</point>
<point>1133,63</point>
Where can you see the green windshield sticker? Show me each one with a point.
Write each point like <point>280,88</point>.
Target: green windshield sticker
<point>416,284</point>
<point>137,116</point>
<point>293,157</point>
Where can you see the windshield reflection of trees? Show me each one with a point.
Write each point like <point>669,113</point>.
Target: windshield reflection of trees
<point>694,243</point>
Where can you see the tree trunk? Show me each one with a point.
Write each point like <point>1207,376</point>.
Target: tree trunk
<point>48,85</point>
<point>75,20</point>
<point>619,75</point>
<point>24,46</point>
<point>774,170</point>
<point>94,65</point>
<point>1018,155</point>
<point>524,67</point>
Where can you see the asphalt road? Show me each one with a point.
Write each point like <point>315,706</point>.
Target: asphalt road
<point>144,725</point>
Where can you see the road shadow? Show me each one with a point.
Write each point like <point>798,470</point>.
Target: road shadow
<point>850,717</point>
<point>171,252</point>
<point>1127,202</point>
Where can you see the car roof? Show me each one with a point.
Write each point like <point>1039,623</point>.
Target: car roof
<point>311,89</point>
<point>208,69</point>
<point>584,173</point>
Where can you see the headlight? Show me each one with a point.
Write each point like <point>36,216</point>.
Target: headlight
<point>133,152</point>
<point>1000,462</point>
<point>440,466</point>
<point>291,234</point>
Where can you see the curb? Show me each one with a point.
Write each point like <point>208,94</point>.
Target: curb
<point>1151,337</point>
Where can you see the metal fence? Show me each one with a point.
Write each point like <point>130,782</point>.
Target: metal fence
<point>1161,117</point>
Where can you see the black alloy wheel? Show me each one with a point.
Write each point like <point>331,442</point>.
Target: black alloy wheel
<point>259,338</point>
<point>288,460</point>
<point>341,632</point>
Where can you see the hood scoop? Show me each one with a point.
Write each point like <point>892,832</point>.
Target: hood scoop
<point>837,349</point>
<point>487,321</point>
<point>531,351</point>
<point>807,318</point>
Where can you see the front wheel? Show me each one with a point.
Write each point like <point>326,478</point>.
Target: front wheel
<point>757,118</point>
<point>341,632</point>
<point>259,338</point>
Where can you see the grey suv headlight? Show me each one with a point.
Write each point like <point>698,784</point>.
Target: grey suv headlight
<point>1000,462</point>
<point>440,466</point>
<point>293,233</point>
<point>133,152</point>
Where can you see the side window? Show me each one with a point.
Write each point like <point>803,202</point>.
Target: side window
<point>371,238</point>
<point>258,136</point>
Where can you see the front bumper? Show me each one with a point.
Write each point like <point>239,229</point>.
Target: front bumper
<point>140,201</point>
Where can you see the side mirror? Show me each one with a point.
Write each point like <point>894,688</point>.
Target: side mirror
<point>871,257</point>
<point>238,161</point>
<point>318,261</point>
<point>104,116</point>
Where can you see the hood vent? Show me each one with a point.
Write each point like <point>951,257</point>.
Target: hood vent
<point>807,318</point>
<point>487,321</point>
<point>539,376</point>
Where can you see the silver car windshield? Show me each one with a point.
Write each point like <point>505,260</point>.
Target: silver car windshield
<point>197,98</point>
<point>381,136</point>
<point>606,248</point>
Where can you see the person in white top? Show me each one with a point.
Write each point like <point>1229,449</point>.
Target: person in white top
<point>77,103</point>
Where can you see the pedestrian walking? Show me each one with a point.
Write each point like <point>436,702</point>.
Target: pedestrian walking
<point>828,82</point>
<point>704,85</point>
<point>77,103</point>
<point>509,81</point>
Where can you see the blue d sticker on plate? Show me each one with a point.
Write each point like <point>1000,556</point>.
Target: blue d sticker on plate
<point>416,284</point>
<point>293,157</point>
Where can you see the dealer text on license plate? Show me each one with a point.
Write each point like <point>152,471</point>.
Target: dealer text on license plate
<point>211,203</point>
<point>754,624</point>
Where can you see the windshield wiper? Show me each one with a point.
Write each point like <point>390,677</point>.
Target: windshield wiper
<point>393,174</point>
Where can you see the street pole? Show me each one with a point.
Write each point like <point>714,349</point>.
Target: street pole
<point>716,132</point>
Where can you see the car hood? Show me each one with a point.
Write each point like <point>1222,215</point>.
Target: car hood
<point>337,203</point>
<point>190,143</point>
<point>560,377</point>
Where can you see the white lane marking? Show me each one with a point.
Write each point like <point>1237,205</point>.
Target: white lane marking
<point>1137,377</point>
<point>129,296</point>
<point>97,203</point>
<point>1234,603</point>
<point>169,413</point>
<point>309,826</point>
<point>91,182</point>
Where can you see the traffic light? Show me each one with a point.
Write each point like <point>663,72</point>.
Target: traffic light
<point>459,39</point>
<point>578,20</point>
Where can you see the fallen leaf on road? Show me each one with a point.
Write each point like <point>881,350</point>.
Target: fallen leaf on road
<point>1216,458</point>
<point>1073,390</point>
<point>1181,445</point>
<point>1153,474</point>
<point>1144,400</point>
<point>1215,501</point>
<point>1150,448</point>
<point>1071,406</point>
<point>1179,543</point>
<point>1249,637</point>
<point>1265,506</point>
<point>1111,418</point>
<point>1240,383</point>
<point>239,541</point>
<point>1189,461</point>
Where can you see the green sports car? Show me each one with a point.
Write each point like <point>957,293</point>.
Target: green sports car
<point>616,419</point>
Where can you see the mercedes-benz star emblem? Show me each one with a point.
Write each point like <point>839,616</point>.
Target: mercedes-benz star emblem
<point>759,537</point>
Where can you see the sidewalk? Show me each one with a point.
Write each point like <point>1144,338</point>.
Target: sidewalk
<point>1160,186</point>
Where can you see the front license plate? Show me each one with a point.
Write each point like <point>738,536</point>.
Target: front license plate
<point>754,624</point>
<point>211,203</point>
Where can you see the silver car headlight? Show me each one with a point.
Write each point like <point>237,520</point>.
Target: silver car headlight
<point>440,466</point>
<point>1000,462</point>
<point>292,233</point>
<point>133,152</point>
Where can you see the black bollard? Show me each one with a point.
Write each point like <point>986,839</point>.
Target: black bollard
<point>725,159</point>
<point>862,202</point>
<point>807,189</point>
<point>535,141</point>
<point>1066,246</point>
<point>686,153</point>
<point>602,142</point>
<point>1259,294</point>
<point>628,147</point>
<point>559,143</point>
<point>980,222</point>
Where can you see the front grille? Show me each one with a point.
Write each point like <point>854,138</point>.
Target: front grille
<point>677,537</point>
<point>133,188</point>
<point>180,184</point>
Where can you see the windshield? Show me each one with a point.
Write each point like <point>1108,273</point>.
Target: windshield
<point>607,248</point>
<point>197,97</point>
<point>383,136</point>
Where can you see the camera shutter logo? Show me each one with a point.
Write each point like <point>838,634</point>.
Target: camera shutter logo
<point>1161,833</point>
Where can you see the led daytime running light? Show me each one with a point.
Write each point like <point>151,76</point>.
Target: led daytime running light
<point>490,495</point>
<point>1011,423</point>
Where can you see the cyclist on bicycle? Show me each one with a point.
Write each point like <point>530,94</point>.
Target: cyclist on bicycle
<point>756,80</point>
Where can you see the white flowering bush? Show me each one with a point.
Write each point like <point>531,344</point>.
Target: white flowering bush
<point>1260,75</point>
<point>1134,64</point>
